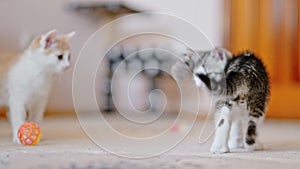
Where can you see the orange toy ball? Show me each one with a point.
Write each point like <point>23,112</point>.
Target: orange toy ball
<point>29,134</point>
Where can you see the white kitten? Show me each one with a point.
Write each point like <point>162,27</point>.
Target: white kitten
<point>26,79</point>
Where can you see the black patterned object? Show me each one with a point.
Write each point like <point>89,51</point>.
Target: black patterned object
<point>151,60</point>
<point>105,7</point>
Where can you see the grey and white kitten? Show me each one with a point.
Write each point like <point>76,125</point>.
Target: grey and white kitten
<point>240,89</point>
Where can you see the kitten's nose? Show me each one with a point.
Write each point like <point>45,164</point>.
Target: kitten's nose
<point>67,68</point>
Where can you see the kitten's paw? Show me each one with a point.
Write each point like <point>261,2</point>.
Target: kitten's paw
<point>255,147</point>
<point>236,144</point>
<point>219,149</point>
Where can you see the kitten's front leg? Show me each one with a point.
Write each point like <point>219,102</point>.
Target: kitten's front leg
<point>223,122</point>
<point>36,111</point>
<point>17,116</point>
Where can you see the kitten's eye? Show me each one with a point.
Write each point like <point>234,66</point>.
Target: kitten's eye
<point>60,57</point>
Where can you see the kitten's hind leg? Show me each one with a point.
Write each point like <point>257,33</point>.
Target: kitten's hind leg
<point>17,116</point>
<point>252,142</point>
<point>236,138</point>
<point>220,143</point>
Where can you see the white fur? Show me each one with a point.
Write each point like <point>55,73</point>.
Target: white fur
<point>28,83</point>
<point>28,87</point>
<point>238,126</point>
<point>231,134</point>
<point>220,144</point>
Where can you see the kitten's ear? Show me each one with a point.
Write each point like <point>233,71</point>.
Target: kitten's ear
<point>184,66</point>
<point>188,52</point>
<point>69,35</point>
<point>223,54</point>
<point>48,39</point>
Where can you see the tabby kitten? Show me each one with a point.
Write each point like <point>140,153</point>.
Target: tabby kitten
<point>26,78</point>
<point>240,89</point>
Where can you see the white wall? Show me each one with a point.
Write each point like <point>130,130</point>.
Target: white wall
<point>206,15</point>
<point>20,19</point>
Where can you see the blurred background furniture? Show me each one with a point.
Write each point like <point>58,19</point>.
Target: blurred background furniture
<point>139,60</point>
